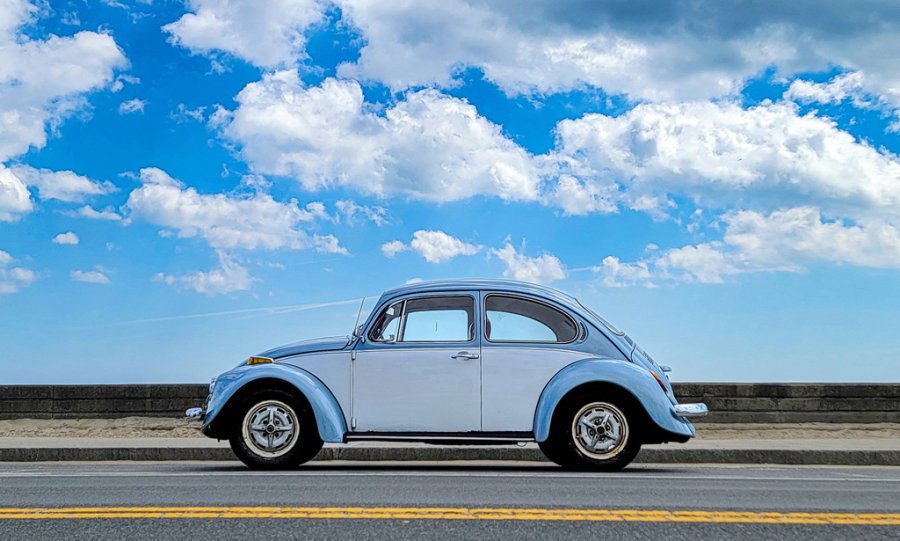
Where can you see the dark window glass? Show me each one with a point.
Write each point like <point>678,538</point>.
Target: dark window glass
<point>514,319</point>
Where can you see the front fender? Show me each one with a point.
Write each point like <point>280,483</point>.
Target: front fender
<point>329,417</point>
<point>629,376</point>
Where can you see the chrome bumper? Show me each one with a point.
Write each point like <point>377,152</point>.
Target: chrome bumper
<point>195,414</point>
<point>691,410</point>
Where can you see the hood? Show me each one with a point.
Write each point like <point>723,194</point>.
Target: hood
<point>333,343</point>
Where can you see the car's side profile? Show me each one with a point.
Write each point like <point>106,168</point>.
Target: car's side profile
<point>455,362</point>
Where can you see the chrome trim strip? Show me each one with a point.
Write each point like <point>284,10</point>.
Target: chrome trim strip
<point>358,436</point>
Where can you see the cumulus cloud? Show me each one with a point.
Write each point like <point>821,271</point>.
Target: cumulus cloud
<point>437,246</point>
<point>644,50</point>
<point>66,238</point>
<point>350,212</point>
<point>721,155</point>
<point>62,185</point>
<point>106,214</point>
<point>228,278</point>
<point>428,146</point>
<point>132,106</point>
<point>14,197</point>
<point>785,240</point>
<point>42,81</point>
<point>13,278</point>
<point>225,221</point>
<point>434,246</point>
<point>267,34</point>
<point>541,269</point>
<point>394,247</point>
<point>90,277</point>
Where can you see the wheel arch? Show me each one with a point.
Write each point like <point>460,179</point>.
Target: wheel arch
<point>623,379</point>
<point>233,386</point>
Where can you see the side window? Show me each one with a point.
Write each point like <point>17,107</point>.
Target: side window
<point>387,324</point>
<point>514,319</point>
<point>439,319</point>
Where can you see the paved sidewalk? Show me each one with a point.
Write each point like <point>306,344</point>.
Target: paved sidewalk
<point>860,451</point>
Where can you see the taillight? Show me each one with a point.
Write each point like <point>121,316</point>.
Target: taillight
<point>659,380</point>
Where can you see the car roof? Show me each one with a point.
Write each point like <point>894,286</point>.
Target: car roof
<point>511,286</point>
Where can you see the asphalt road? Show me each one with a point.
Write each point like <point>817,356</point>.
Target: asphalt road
<point>463,500</point>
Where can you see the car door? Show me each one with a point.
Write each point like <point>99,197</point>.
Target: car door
<point>526,342</point>
<point>419,367</point>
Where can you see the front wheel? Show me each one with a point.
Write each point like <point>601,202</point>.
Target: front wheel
<point>276,431</point>
<point>590,434</point>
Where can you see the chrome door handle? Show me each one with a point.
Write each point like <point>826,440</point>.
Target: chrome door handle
<point>464,355</point>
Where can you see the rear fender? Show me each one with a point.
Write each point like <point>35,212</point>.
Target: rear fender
<point>627,375</point>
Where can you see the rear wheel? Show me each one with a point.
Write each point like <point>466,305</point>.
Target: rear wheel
<point>591,434</point>
<point>274,430</point>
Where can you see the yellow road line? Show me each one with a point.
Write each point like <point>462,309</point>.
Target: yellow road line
<point>450,513</point>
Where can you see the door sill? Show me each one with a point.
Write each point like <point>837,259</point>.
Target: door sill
<point>445,438</point>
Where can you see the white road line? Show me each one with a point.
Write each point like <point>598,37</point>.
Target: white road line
<point>542,475</point>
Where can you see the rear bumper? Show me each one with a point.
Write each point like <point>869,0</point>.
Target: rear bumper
<point>195,414</point>
<point>691,410</point>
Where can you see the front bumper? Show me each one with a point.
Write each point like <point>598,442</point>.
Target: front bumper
<point>691,410</point>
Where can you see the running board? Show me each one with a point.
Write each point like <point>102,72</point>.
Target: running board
<point>445,438</point>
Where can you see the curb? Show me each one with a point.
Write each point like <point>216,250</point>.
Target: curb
<point>411,454</point>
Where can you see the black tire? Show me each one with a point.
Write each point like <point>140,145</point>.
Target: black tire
<point>563,447</point>
<point>277,407</point>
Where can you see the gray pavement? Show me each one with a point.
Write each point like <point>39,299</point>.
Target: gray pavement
<point>506,485</point>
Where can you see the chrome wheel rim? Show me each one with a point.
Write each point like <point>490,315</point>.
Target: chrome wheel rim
<point>600,430</point>
<point>270,428</point>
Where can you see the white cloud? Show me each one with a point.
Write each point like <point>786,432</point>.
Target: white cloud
<point>22,275</point>
<point>348,212</point>
<point>682,50</point>
<point>66,238</point>
<point>91,276</point>
<point>541,269</point>
<point>12,279</point>
<point>721,155</point>
<point>183,113</point>
<point>41,81</point>
<point>437,246</point>
<point>786,240</point>
<point>228,278</point>
<point>428,146</point>
<point>122,80</point>
<point>225,221</point>
<point>14,197</point>
<point>132,106</point>
<point>394,247</point>
<point>434,246</point>
<point>106,214</point>
<point>62,185</point>
<point>267,34</point>
<point>615,273</point>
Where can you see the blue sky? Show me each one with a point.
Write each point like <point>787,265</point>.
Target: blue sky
<point>183,184</point>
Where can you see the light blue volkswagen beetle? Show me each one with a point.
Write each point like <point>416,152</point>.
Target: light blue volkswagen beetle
<point>454,362</point>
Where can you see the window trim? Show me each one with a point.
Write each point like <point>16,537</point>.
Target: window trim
<point>575,322</point>
<point>401,329</point>
<point>378,316</point>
